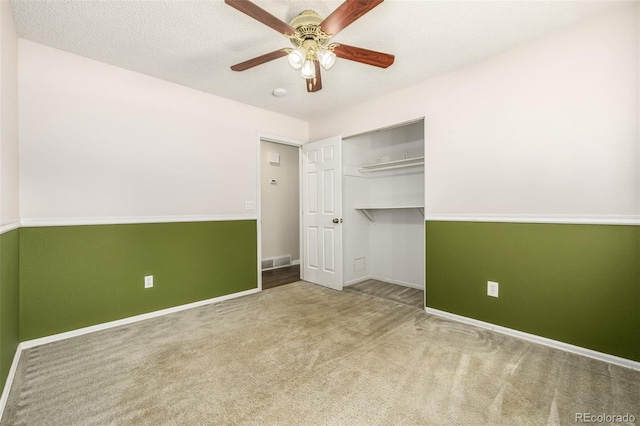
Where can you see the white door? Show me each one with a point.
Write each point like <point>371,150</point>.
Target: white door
<point>322,212</point>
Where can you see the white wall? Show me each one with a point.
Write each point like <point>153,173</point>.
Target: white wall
<point>9,191</point>
<point>398,249</point>
<point>280,202</point>
<point>101,141</point>
<point>547,128</point>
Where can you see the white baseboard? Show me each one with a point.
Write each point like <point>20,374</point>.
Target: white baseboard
<point>356,281</point>
<point>402,283</point>
<point>293,263</point>
<point>386,280</point>
<point>9,381</point>
<point>612,359</point>
<point>130,320</point>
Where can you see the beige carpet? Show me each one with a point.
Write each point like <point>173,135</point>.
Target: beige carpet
<point>397,293</point>
<point>302,354</point>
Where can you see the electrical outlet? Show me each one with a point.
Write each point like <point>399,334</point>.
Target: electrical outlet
<point>249,205</point>
<point>492,288</point>
<point>148,281</point>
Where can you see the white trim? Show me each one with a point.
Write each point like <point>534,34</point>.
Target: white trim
<point>357,280</point>
<point>424,217</point>
<point>9,382</point>
<point>389,127</point>
<point>576,220</point>
<point>279,139</point>
<point>293,263</point>
<point>78,221</point>
<point>300,228</point>
<point>131,320</point>
<point>612,359</point>
<point>259,209</point>
<point>386,280</point>
<point>9,227</point>
<point>281,267</point>
<point>402,283</point>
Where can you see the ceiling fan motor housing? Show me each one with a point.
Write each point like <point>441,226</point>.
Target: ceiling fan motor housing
<point>306,18</point>
<point>307,25</point>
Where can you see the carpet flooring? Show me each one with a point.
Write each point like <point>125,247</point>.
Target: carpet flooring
<point>304,354</point>
<point>397,293</point>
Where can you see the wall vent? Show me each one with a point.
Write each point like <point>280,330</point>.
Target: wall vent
<point>282,261</point>
<point>276,262</point>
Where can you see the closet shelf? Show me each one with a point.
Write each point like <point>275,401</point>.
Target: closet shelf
<point>367,211</point>
<point>395,164</point>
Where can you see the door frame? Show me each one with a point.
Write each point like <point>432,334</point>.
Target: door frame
<point>282,141</point>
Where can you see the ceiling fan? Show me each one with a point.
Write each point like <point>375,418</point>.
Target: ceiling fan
<point>310,36</point>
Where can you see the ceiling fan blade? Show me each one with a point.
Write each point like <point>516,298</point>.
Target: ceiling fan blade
<point>369,57</point>
<point>260,60</point>
<point>345,14</point>
<point>315,84</point>
<point>259,14</point>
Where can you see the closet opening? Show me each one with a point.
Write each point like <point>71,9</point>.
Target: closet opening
<point>383,210</point>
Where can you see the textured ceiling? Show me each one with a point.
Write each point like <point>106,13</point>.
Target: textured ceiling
<point>194,43</point>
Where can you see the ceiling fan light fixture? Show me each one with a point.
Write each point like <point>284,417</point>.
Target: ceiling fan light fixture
<point>310,36</point>
<point>326,58</point>
<point>308,69</point>
<point>296,58</point>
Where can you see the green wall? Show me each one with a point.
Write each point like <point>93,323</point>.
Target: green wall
<point>9,300</point>
<point>578,284</point>
<point>78,276</point>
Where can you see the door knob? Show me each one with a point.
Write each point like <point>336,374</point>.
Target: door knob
<point>336,220</point>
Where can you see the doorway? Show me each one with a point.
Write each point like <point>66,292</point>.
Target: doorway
<point>279,182</point>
